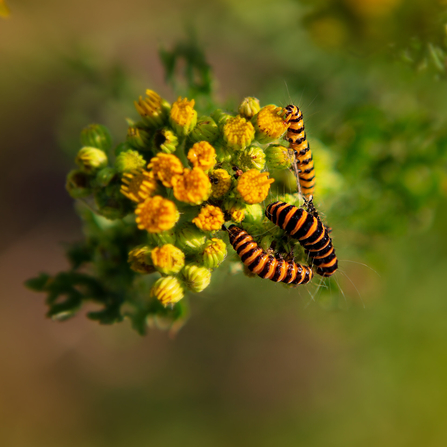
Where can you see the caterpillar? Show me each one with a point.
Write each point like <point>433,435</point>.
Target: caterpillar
<point>311,233</point>
<point>264,265</point>
<point>296,136</point>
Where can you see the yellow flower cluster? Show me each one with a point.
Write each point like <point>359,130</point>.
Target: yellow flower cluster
<point>202,155</point>
<point>253,186</point>
<point>193,186</point>
<point>156,214</point>
<point>210,218</point>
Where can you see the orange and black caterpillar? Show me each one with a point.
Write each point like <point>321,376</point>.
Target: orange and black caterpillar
<point>264,265</point>
<point>310,232</point>
<point>297,138</point>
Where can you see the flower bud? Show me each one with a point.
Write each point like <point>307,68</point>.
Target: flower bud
<point>252,157</point>
<point>190,239</point>
<point>223,153</point>
<point>111,203</point>
<point>278,157</point>
<point>105,176</point>
<point>206,130</point>
<point>220,118</point>
<point>78,184</point>
<point>183,117</point>
<point>122,147</point>
<point>90,159</point>
<point>165,141</point>
<point>214,253</point>
<point>153,109</point>
<point>168,259</point>
<point>168,290</point>
<point>249,107</point>
<point>196,278</point>
<point>140,259</point>
<point>162,238</point>
<point>96,135</point>
<point>138,138</point>
<point>129,160</point>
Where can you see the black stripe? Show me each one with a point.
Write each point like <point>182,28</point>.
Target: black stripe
<point>282,215</point>
<point>326,259</point>
<point>277,273</point>
<point>266,268</point>
<point>315,235</point>
<point>294,219</point>
<point>304,227</point>
<point>290,265</point>
<point>257,260</point>
<point>249,253</point>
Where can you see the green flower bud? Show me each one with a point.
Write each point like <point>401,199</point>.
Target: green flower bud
<point>90,159</point>
<point>122,147</point>
<point>220,118</point>
<point>140,259</point>
<point>138,138</point>
<point>223,153</point>
<point>165,141</point>
<point>196,278</point>
<point>111,203</point>
<point>168,259</point>
<point>214,253</point>
<point>96,135</point>
<point>129,161</point>
<point>105,176</point>
<point>162,238</point>
<point>78,184</point>
<point>168,290</point>
<point>252,157</point>
<point>249,107</point>
<point>153,109</point>
<point>278,157</point>
<point>254,214</point>
<point>190,239</point>
<point>206,130</point>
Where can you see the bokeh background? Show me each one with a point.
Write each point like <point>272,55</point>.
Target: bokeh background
<point>256,364</point>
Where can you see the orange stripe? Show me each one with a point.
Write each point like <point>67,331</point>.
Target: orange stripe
<point>299,224</point>
<point>311,230</point>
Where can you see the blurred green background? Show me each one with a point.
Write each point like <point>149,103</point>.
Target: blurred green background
<point>256,364</point>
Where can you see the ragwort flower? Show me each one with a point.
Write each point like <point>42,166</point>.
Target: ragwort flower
<point>153,109</point>
<point>253,186</point>
<point>220,183</point>
<point>156,214</point>
<point>168,290</point>
<point>165,167</point>
<point>138,185</point>
<point>210,218</point>
<point>238,133</point>
<point>168,259</point>
<point>202,155</point>
<point>193,186</point>
<point>183,117</point>
<point>269,124</point>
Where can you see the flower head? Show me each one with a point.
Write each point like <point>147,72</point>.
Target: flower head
<point>90,159</point>
<point>138,138</point>
<point>206,130</point>
<point>278,157</point>
<point>165,167</point>
<point>153,109</point>
<point>190,239</point>
<point>129,161</point>
<point>202,155</point>
<point>220,183</point>
<point>156,214</point>
<point>193,186</point>
<point>196,278</point>
<point>138,185</point>
<point>238,133</point>
<point>168,259</point>
<point>269,123</point>
<point>254,186</point>
<point>140,259</point>
<point>168,290</point>
<point>183,117</point>
<point>210,218</point>
<point>249,107</point>
<point>214,253</point>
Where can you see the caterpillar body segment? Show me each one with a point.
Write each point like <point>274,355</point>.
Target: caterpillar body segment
<point>267,265</point>
<point>310,232</point>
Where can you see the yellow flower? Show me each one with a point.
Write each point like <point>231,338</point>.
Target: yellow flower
<point>90,159</point>
<point>196,278</point>
<point>210,218</point>
<point>168,290</point>
<point>254,186</point>
<point>238,132</point>
<point>193,186</point>
<point>138,185</point>
<point>156,214</point>
<point>214,253</point>
<point>153,109</point>
<point>269,123</point>
<point>202,155</point>
<point>165,167</point>
<point>139,259</point>
<point>237,214</point>
<point>220,183</point>
<point>168,259</point>
<point>183,117</point>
